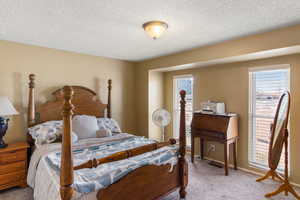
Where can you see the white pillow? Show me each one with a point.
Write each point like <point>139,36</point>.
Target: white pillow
<point>85,126</point>
<point>109,124</point>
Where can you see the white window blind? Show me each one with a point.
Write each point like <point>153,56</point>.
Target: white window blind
<point>266,87</point>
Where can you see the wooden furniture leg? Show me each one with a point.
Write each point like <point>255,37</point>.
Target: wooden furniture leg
<point>226,155</point>
<point>272,174</point>
<point>183,167</point>
<point>66,172</point>
<point>202,148</point>
<point>192,148</point>
<point>235,154</point>
<point>285,187</point>
<point>109,99</point>
<point>31,104</point>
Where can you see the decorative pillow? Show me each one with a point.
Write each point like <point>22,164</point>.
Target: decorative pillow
<point>46,132</point>
<point>109,124</point>
<point>85,126</point>
<point>103,133</point>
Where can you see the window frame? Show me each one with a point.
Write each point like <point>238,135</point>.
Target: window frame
<point>175,97</point>
<point>251,153</point>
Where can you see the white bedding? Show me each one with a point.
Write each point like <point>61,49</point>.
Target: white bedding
<point>45,181</point>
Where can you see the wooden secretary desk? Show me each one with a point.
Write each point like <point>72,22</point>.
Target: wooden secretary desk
<point>219,128</point>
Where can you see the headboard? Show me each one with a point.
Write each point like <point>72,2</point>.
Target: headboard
<point>84,101</point>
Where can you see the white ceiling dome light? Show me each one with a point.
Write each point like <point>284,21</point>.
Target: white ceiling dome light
<point>155,29</point>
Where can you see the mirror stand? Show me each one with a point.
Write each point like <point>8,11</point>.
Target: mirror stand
<point>271,173</point>
<point>285,187</point>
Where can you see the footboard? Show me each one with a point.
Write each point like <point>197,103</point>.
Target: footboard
<point>146,183</point>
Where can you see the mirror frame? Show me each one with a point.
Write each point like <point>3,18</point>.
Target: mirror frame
<point>274,164</point>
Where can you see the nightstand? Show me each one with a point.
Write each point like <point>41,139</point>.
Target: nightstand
<point>13,165</point>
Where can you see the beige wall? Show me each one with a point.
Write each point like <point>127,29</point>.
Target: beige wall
<point>156,92</point>
<point>55,68</point>
<point>230,84</point>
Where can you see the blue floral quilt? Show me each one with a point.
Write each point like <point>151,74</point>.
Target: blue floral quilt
<point>90,180</point>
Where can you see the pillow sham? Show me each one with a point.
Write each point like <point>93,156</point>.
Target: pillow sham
<point>46,132</point>
<point>108,124</point>
<point>85,126</point>
<point>49,132</point>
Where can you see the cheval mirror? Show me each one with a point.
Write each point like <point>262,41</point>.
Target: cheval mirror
<point>278,141</point>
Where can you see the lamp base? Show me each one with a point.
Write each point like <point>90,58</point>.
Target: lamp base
<point>3,128</point>
<point>3,145</point>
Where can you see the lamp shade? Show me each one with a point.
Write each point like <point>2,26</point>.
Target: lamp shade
<point>6,107</point>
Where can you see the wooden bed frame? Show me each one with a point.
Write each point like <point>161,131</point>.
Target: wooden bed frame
<point>145,183</point>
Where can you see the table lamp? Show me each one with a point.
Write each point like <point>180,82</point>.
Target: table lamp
<point>6,109</point>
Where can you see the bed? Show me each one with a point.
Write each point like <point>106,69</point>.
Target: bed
<point>153,179</point>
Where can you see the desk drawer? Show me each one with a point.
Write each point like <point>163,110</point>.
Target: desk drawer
<point>13,156</point>
<point>209,134</point>
<point>12,177</point>
<point>210,122</point>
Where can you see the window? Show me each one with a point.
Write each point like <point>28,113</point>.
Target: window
<point>183,83</point>
<point>266,87</point>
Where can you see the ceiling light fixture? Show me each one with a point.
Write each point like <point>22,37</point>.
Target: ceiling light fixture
<point>155,28</point>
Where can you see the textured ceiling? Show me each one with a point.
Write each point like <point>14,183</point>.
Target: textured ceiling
<point>113,28</point>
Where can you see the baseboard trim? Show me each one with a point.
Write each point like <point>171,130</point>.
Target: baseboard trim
<point>243,169</point>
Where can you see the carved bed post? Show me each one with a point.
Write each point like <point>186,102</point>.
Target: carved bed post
<point>31,106</point>
<point>182,147</point>
<point>109,99</point>
<point>66,173</point>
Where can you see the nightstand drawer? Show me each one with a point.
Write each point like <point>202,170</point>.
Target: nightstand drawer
<point>12,177</point>
<point>13,156</point>
<point>12,167</point>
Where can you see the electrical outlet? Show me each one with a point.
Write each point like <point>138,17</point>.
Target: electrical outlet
<point>212,147</point>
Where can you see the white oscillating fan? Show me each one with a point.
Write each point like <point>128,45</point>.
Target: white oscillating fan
<point>161,117</point>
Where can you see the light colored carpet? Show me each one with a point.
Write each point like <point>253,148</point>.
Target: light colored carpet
<point>205,183</point>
